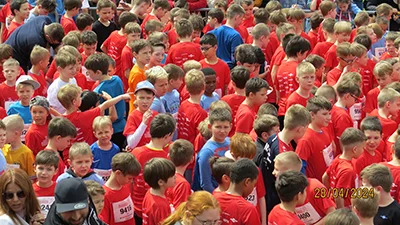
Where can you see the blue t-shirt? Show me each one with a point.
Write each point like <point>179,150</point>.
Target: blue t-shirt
<point>206,101</point>
<point>228,39</point>
<point>93,177</point>
<point>171,101</point>
<point>203,180</point>
<point>157,105</point>
<point>114,88</point>
<point>23,111</point>
<point>102,158</point>
<point>25,37</point>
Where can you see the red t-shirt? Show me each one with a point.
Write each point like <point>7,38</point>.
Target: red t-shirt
<point>305,36</point>
<point>81,80</point>
<point>42,90</point>
<point>13,26</point>
<point>172,37</point>
<point>243,32</point>
<point>189,117</point>
<point>316,148</point>
<point>248,22</point>
<point>388,126</point>
<point>180,192</point>
<point>199,142</point>
<point>283,147</point>
<point>333,76</point>
<point>281,216</point>
<point>118,206</point>
<point>126,63</point>
<point>8,95</point>
<point>367,75</point>
<point>394,191</point>
<point>134,120</point>
<point>272,45</point>
<point>3,113</point>
<point>321,48</point>
<point>331,57</point>
<point>313,38</point>
<point>321,37</point>
<point>278,56</point>
<point>44,192</point>
<point>257,193</point>
<point>234,101</point>
<point>286,83</point>
<point>244,119</point>
<point>182,52</point>
<point>388,150</point>
<point>314,209</point>
<point>114,44</point>
<point>155,209</point>
<point>295,98</point>
<point>243,212</point>
<point>223,74</point>
<point>371,102</point>
<point>353,34</point>
<point>341,120</point>
<point>367,159</point>
<point>68,25</point>
<point>140,187</point>
<point>84,130</point>
<point>36,138</point>
<point>386,55</point>
<point>4,14</point>
<point>148,17</point>
<point>342,175</point>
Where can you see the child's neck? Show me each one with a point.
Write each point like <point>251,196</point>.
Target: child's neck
<point>105,77</point>
<point>395,161</point>
<point>230,23</point>
<point>289,206</point>
<point>331,39</point>
<point>156,143</point>
<point>36,11</point>
<point>292,59</point>
<point>140,65</point>
<point>385,199</point>
<point>121,32</point>
<point>217,25</point>
<point>346,155</point>
<point>16,144</point>
<point>208,94</point>
<point>315,127</point>
<point>239,91</point>
<point>159,192</point>
<point>234,189</point>
<point>51,145</point>
<point>366,221</point>
<point>340,103</point>
<point>69,14</point>
<point>340,67</point>
<point>44,184</point>
<point>258,43</point>
<point>170,88</point>
<point>19,20</point>
<point>35,70</point>
<point>72,109</point>
<point>248,102</point>
<point>383,112</point>
<point>104,146</point>
<point>299,29</point>
<point>25,102</point>
<point>185,39</point>
<point>104,22</point>
<point>181,169</point>
<point>63,78</point>
<point>10,83</point>
<point>195,99</point>
<point>371,152</point>
<point>112,183</point>
<point>151,65</point>
<point>212,60</point>
<point>285,136</point>
<point>303,92</point>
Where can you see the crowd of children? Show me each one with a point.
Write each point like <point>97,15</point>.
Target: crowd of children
<point>247,119</point>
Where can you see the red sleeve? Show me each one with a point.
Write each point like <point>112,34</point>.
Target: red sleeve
<point>158,214</point>
<point>32,142</point>
<point>303,149</point>
<point>3,113</point>
<point>331,78</point>
<point>68,27</point>
<point>126,61</point>
<point>131,124</point>
<point>369,102</point>
<point>181,193</point>
<point>105,214</point>
<point>260,185</point>
<point>342,123</point>
<point>345,178</point>
<point>250,216</point>
<point>197,4</point>
<point>201,116</point>
<point>242,122</point>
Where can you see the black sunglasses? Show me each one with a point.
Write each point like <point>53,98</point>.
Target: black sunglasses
<point>10,195</point>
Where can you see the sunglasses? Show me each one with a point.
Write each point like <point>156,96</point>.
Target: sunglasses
<point>348,61</point>
<point>10,195</point>
<point>204,49</point>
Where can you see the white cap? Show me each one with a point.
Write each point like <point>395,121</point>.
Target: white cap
<point>25,79</point>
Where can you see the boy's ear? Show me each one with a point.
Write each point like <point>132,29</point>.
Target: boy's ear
<point>69,162</point>
<point>264,135</point>
<point>225,179</point>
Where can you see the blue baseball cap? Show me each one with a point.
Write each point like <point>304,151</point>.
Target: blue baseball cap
<point>145,85</point>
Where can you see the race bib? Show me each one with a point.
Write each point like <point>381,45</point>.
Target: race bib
<point>24,131</point>
<point>123,210</point>
<point>328,155</point>
<point>250,29</point>
<point>357,182</point>
<point>13,166</point>
<point>104,174</point>
<point>355,111</point>
<point>379,51</point>
<point>45,204</point>
<point>7,104</point>
<point>252,197</point>
<point>307,214</point>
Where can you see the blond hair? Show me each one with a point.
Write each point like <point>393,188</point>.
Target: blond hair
<point>101,122</point>
<point>383,69</point>
<point>191,65</point>
<point>343,49</point>
<point>204,131</point>
<point>156,73</point>
<point>65,59</point>
<point>14,122</point>
<point>367,207</point>
<point>67,94</point>
<point>353,76</point>
<point>357,49</point>
<point>295,14</point>
<point>11,62</point>
<point>195,82</point>
<point>342,27</point>
<point>377,30</point>
<point>132,27</point>
<point>387,95</point>
<point>260,30</point>
<point>296,116</point>
<point>362,18</point>
<point>94,188</point>
<point>289,160</point>
<point>219,104</point>
<point>243,146</point>
<point>305,68</point>
<point>277,17</point>
<point>38,54</point>
<point>80,148</point>
<point>71,50</point>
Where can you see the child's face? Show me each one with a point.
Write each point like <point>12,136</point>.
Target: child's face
<point>11,72</point>
<point>249,187</point>
<point>351,100</point>
<point>39,114</point>
<point>394,107</point>
<point>332,14</point>
<point>343,7</point>
<point>248,10</point>
<point>220,130</point>
<point>42,11</point>
<point>111,70</point>
<point>12,135</point>
<point>319,71</point>
<point>105,14</point>
<point>372,35</point>
<point>259,97</point>
<point>81,164</point>
<point>176,84</point>
<point>342,37</point>
<point>300,131</point>
<point>25,93</point>
<point>363,60</point>
<point>68,72</point>
<point>166,43</point>
<point>144,55</point>
<point>98,201</point>
<point>171,182</point>
<point>302,197</point>
<point>306,81</point>
<point>63,142</point>
<point>390,48</point>
<point>208,50</point>
<point>45,173</point>
<point>345,61</point>
<point>160,13</point>
<point>265,40</point>
<point>321,118</point>
<point>396,72</point>
<point>44,63</point>
<point>211,82</point>
<point>23,11</point>
<point>211,21</point>
<point>196,34</point>
<point>384,80</point>
<point>302,56</point>
<point>250,66</point>
<point>374,139</point>
<point>142,8</point>
<point>16,203</point>
<point>161,86</point>
<point>132,37</point>
<point>77,101</point>
<point>358,150</point>
<point>144,100</point>
<point>2,138</point>
<point>104,134</point>
<point>89,49</point>
<point>94,75</point>
<point>157,56</point>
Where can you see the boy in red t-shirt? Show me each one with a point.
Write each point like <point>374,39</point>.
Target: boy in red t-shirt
<point>89,42</point>
<point>8,93</point>
<point>315,21</point>
<point>316,147</point>
<point>160,8</point>
<point>328,32</point>
<point>20,11</point>
<point>248,19</point>
<point>239,77</point>
<point>319,64</point>
<point>256,94</point>
<point>291,187</point>
<point>209,47</point>
<point>118,204</point>
<point>184,50</point>
<point>72,8</point>
<point>40,60</point>
<point>372,129</point>
<point>313,209</point>
<point>391,50</point>
<point>341,175</point>
<point>276,18</point>
<point>60,133</point>
<point>220,170</point>
<point>388,107</point>
<point>305,76</point>
<point>46,165</point>
<point>162,129</point>
<point>181,154</point>
<point>296,16</point>
<point>243,179</point>
<point>328,11</point>
<point>348,93</point>
<point>133,32</point>
<point>342,32</point>
<point>159,174</point>
<point>345,59</point>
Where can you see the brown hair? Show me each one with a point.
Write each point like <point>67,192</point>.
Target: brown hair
<point>181,152</point>
<point>378,175</point>
<point>126,163</point>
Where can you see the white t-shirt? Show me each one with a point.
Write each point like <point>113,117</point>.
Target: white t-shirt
<point>6,220</point>
<point>52,94</point>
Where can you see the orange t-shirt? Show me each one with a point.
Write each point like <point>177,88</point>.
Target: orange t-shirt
<point>135,76</point>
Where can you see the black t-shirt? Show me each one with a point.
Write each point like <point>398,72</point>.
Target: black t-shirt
<point>388,215</point>
<point>103,32</point>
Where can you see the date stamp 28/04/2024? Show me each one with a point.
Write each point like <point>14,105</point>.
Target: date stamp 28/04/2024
<point>353,193</point>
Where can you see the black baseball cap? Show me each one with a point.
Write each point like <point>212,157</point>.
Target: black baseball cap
<point>71,194</point>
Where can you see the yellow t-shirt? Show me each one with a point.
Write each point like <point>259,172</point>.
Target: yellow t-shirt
<point>135,76</point>
<point>22,157</point>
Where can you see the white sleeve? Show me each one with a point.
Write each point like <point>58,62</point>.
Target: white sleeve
<point>133,139</point>
<point>85,4</point>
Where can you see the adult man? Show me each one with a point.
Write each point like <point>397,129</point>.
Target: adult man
<point>38,31</point>
<point>72,205</point>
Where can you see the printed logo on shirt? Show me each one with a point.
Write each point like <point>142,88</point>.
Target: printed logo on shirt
<point>123,210</point>
<point>45,204</point>
<point>307,214</point>
<point>13,166</point>
<point>104,174</point>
